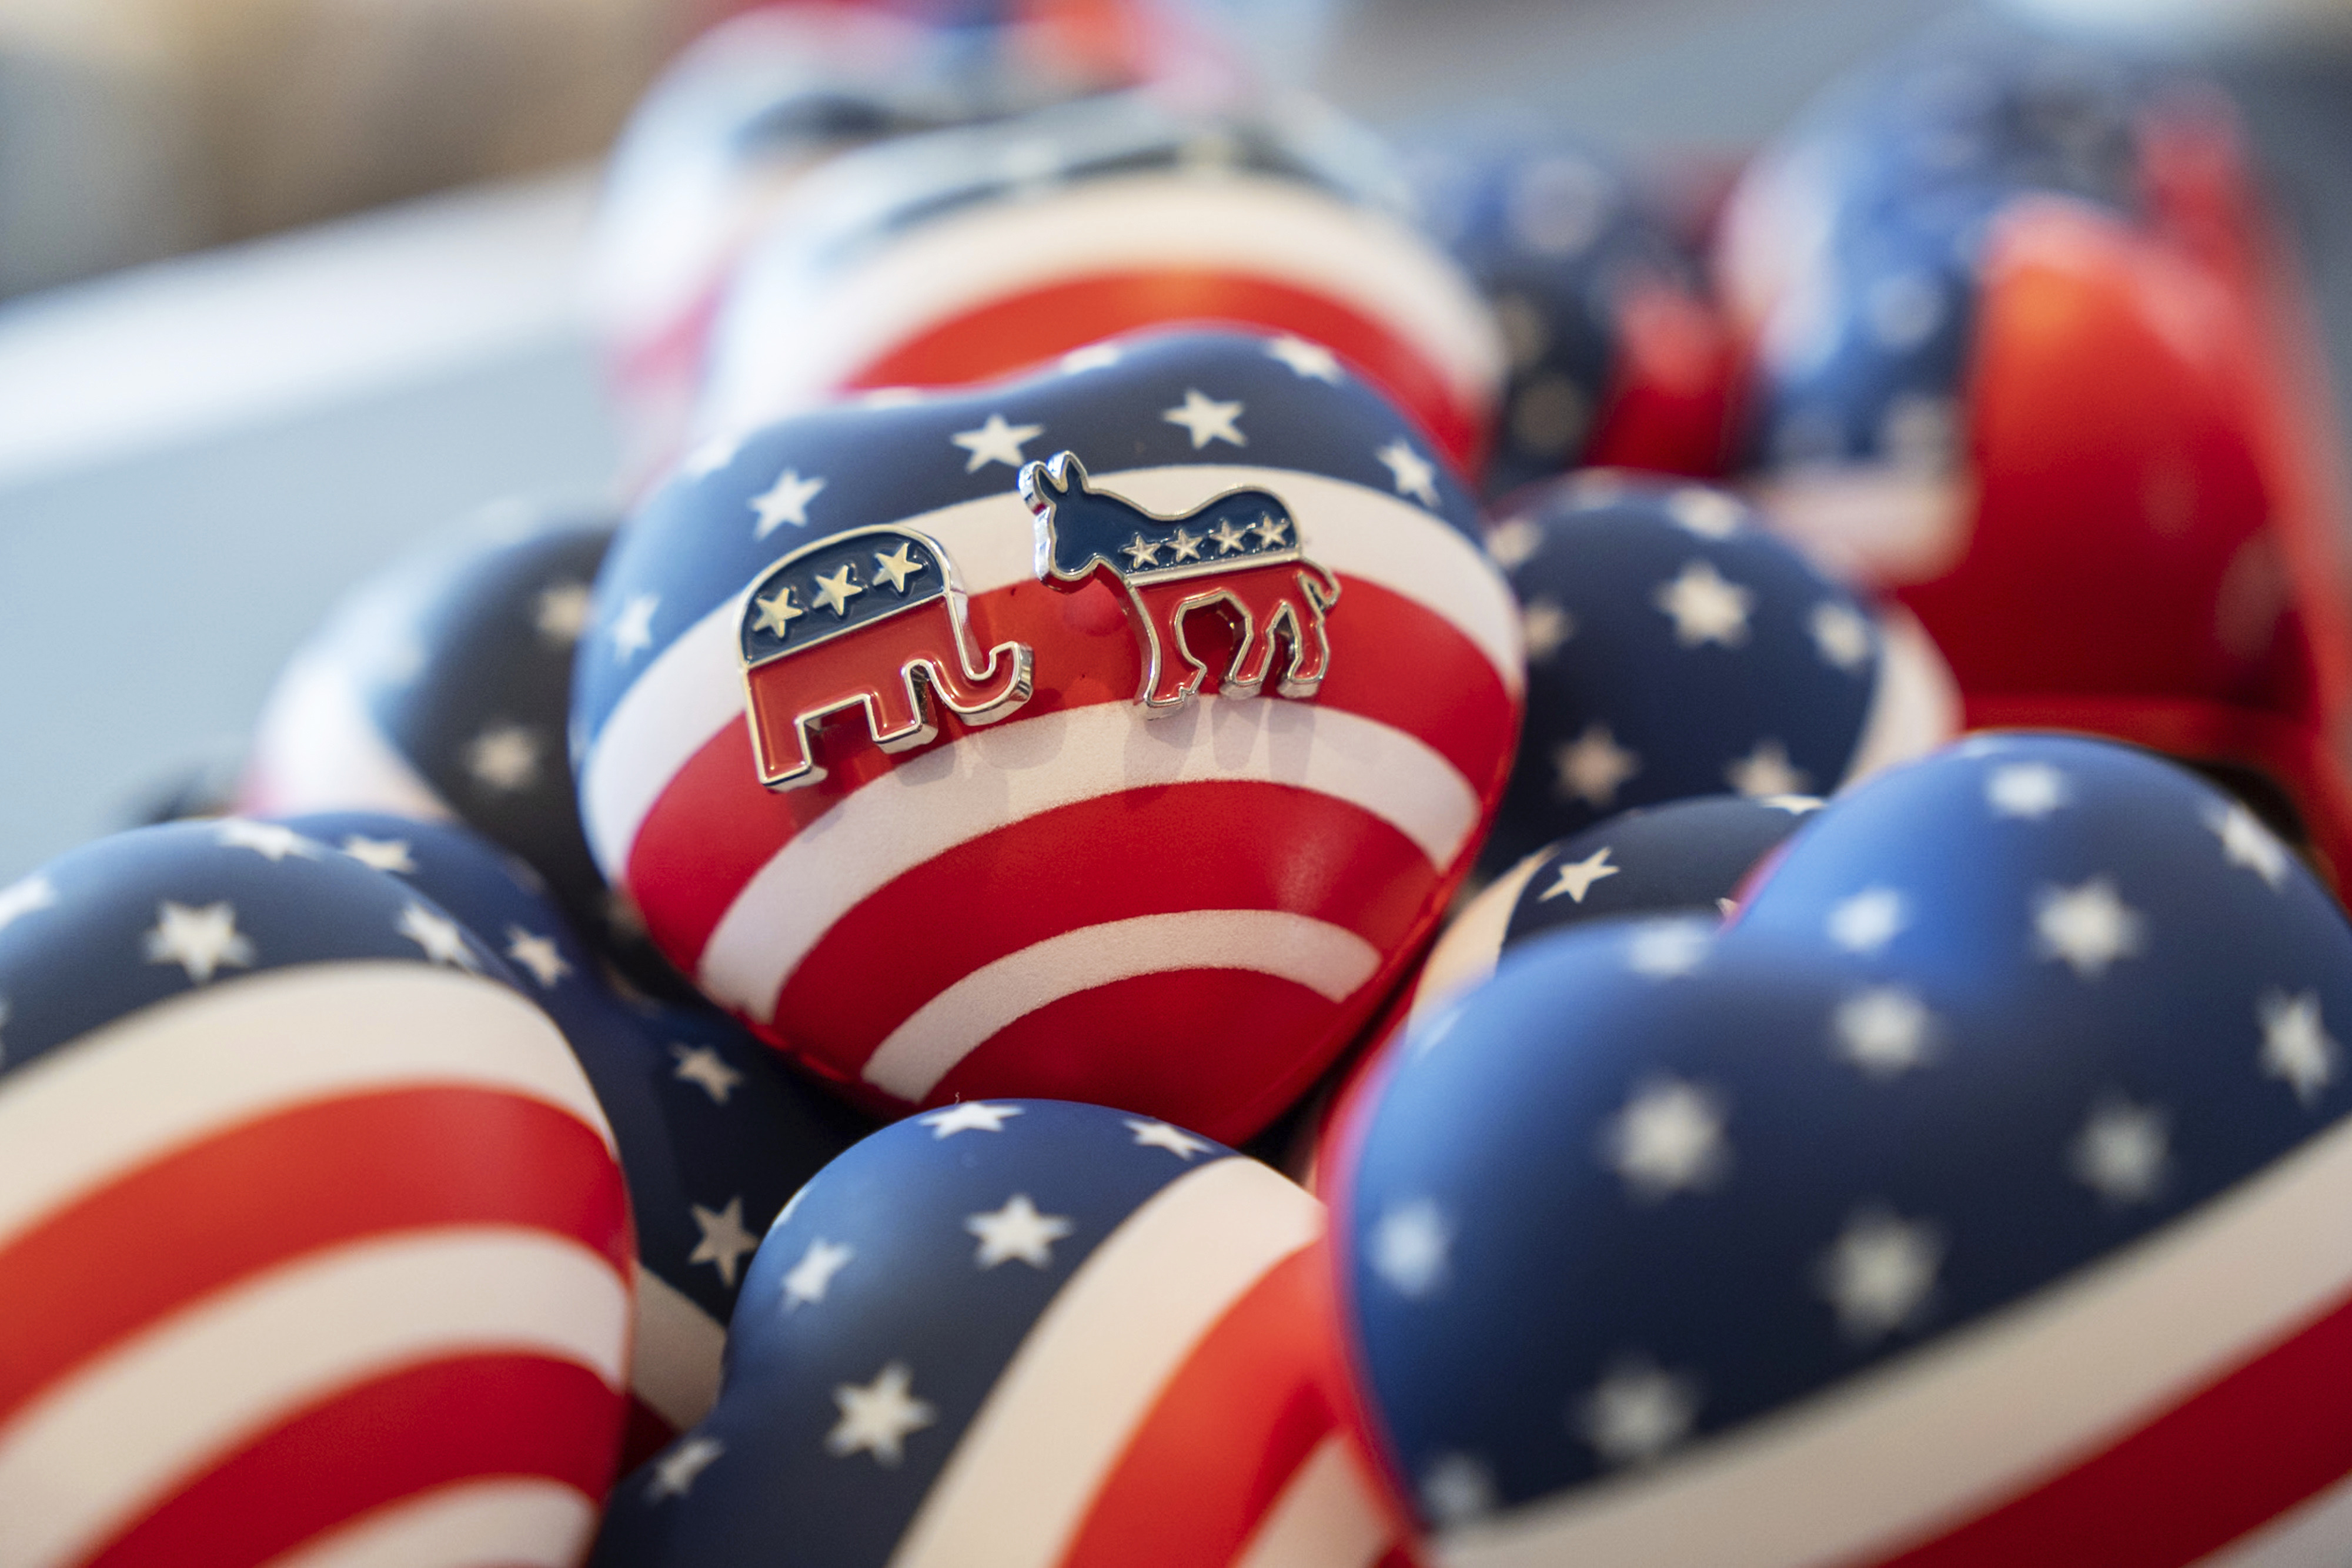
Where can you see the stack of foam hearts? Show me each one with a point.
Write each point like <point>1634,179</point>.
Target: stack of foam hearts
<point>1023,1331</point>
<point>951,258</point>
<point>1675,648</point>
<point>714,1134</point>
<point>312,1239</point>
<point>2019,359</point>
<point>1139,788</point>
<point>1616,355</point>
<point>441,689</point>
<point>1973,1197</point>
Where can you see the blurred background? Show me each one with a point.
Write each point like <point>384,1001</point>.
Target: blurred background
<point>284,284</point>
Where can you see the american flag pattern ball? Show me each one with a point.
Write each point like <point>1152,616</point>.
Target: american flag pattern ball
<point>1023,1334</point>
<point>313,1244</point>
<point>1186,913</point>
<point>714,1132</point>
<point>1975,1196</point>
<point>1674,648</point>
<point>951,258</point>
<point>1615,355</point>
<point>441,688</point>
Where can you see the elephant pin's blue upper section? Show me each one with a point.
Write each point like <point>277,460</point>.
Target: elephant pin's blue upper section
<point>838,585</point>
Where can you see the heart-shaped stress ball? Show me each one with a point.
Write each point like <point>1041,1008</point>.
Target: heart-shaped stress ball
<point>1977,1196</point>
<point>715,1132</point>
<point>1023,1331</point>
<point>312,1240</point>
<point>1674,648</point>
<point>1138,791</point>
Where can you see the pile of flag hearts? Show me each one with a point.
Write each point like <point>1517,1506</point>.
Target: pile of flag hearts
<point>1249,850</point>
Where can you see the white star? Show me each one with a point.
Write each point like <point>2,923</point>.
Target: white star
<point>1886,1031</point>
<point>1139,552</point>
<point>711,456</point>
<point>1710,514</point>
<point>1577,877</point>
<point>1880,1273</point>
<point>1765,774</point>
<point>1271,532</point>
<point>1840,635</point>
<point>724,1240</point>
<point>1415,474</point>
<point>1514,542</point>
<point>2246,842</point>
<point>1795,805</point>
<point>812,1277</point>
<point>777,612</point>
<point>1310,362</point>
<point>1705,607</point>
<point>1457,1489</point>
<point>898,566</point>
<point>1668,1139</point>
<point>1543,627</point>
<point>1409,1246</point>
<point>1867,921</point>
<point>1666,950</point>
<point>538,955</point>
<point>785,501</point>
<point>381,855</point>
<point>2087,927</point>
<point>703,1066</point>
<point>201,941</point>
<point>443,939</point>
<point>20,899</point>
<point>968,1116</point>
<point>1016,1230</point>
<point>1205,419</point>
<point>2028,790</point>
<point>835,592</point>
<point>2296,1045</point>
<point>1160,1136</point>
<point>996,442</point>
<point>504,758</point>
<point>1186,544</point>
<point>1636,1412</point>
<point>633,628</point>
<point>2121,1151</point>
<point>877,1417</point>
<point>561,612</point>
<point>1591,767</point>
<point>267,840</point>
<point>1093,357</point>
<point>676,1471</point>
<point>1228,538</point>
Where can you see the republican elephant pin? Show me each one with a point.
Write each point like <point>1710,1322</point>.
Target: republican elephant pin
<point>872,620</point>
<point>1237,554</point>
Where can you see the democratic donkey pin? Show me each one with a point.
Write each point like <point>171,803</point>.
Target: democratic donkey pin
<point>874,619</point>
<point>1239,552</point>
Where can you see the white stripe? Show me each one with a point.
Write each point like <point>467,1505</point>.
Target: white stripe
<point>840,323</point>
<point>1010,772</point>
<point>1327,1516</point>
<point>1027,1469</point>
<point>1938,1436</point>
<point>318,749</point>
<point>1473,943</point>
<point>101,1449</point>
<point>1324,957</point>
<point>2314,1533</point>
<point>694,688</point>
<point>1915,706</point>
<point>183,1069</point>
<point>523,1522</point>
<point>674,1366</point>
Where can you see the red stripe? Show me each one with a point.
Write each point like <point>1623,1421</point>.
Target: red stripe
<point>1228,1432</point>
<point>1276,847</point>
<point>1222,1051</point>
<point>253,1195</point>
<point>377,1443</point>
<point>1392,662</point>
<point>1019,331</point>
<point>2233,1455</point>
